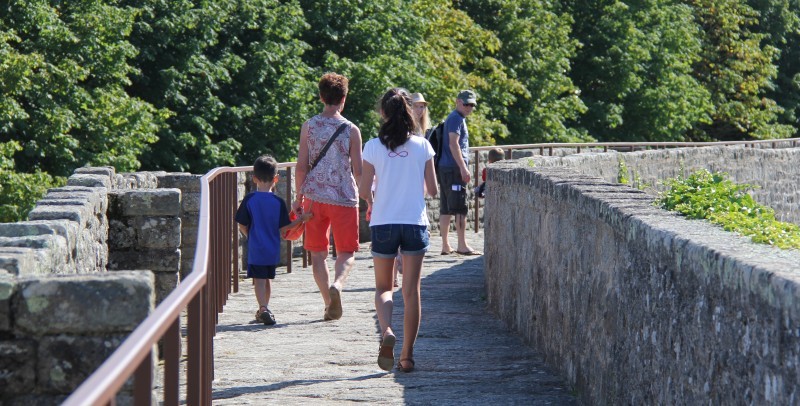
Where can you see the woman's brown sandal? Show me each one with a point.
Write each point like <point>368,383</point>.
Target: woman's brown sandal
<point>386,352</point>
<point>408,368</point>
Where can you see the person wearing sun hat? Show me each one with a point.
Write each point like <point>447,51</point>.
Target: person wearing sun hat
<point>420,109</point>
<point>454,174</point>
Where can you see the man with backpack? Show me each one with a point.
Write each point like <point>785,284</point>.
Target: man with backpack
<point>453,173</point>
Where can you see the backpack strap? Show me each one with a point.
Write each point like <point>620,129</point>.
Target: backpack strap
<point>327,146</point>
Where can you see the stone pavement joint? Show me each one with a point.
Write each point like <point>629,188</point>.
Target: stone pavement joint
<point>464,354</point>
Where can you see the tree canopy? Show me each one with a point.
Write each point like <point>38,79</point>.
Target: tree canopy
<point>186,85</point>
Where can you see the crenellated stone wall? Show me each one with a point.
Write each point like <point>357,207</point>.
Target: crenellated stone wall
<point>61,312</point>
<point>636,305</point>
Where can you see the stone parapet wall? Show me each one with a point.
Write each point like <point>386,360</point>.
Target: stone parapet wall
<point>636,305</point>
<point>189,186</point>
<point>145,233</point>
<point>61,312</point>
<point>775,172</point>
<point>63,328</point>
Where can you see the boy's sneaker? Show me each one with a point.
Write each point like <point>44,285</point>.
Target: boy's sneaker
<point>265,316</point>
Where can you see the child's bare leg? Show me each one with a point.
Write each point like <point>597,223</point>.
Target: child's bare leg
<point>262,291</point>
<point>383,292</point>
<point>444,229</point>
<point>412,310</point>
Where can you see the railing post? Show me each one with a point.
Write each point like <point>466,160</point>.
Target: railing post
<point>477,200</point>
<point>172,359</point>
<point>235,248</point>
<point>551,151</point>
<point>289,202</point>
<point>143,381</point>
<point>194,341</point>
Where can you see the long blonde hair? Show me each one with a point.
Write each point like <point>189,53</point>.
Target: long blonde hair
<point>423,122</point>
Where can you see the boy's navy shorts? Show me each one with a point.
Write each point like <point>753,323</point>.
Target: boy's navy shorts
<point>412,239</point>
<point>261,271</point>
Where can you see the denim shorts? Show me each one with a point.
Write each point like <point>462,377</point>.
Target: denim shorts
<point>412,239</point>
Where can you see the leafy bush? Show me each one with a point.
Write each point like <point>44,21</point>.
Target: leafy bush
<point>704,195</point>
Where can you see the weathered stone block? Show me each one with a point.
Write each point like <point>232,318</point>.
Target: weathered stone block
<point>8,284</point>
<point>121,235</point>
<point>191,202</point>
<point>17,367</point>
<point>89,180</point>
<point>137,180</point>
<point>186,182</point>
<point>154,260</point>
<point>98,303</point>
<point>108,171</point>
<point>77,213</point>
<point>28,261</point>
<point>154,202</point>
<point>166,282</point>
<point>64,228</point>
<point>65,361</point>
<point>188,236</point>
<point>158,232</point>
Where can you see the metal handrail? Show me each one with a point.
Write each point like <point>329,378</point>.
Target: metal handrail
<point>134,356</point>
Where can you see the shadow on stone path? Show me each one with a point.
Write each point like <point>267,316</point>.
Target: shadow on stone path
<point>464,355</point>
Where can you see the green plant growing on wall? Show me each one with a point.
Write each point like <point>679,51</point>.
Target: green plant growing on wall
<point>622,173</point>
<point>704,195</point>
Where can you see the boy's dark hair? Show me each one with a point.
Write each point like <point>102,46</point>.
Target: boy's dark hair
<point>496,154</point>
<point>333,88</point>
<point>265,168</point>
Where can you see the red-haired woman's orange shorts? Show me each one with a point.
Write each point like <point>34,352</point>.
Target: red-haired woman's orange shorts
<point>343,220</point>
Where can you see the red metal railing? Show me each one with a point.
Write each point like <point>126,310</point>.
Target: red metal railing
<point>214,275</point>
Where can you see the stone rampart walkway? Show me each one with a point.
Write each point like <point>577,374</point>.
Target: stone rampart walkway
<point>464,355</point>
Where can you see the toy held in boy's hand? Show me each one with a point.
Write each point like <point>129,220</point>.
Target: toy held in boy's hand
<point>294,233</point>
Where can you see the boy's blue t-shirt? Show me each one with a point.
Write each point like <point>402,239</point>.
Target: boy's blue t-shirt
<point>263,214</point>
<point>454,123</point>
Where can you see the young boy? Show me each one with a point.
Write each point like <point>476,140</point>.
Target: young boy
<point>495,155</point>
<point>262,218</point>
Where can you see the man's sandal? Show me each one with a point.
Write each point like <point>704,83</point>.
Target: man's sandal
<point>386,352</point>
<point>407,368</point>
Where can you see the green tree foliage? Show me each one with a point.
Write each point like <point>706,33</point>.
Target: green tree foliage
<point>189,85</point>
<point>535,47</point>
<point>424,45</point>
<point>63,68</point>
<point>20,191</point>
<point>780,20</point>
<point>635,70</point>
<point>231,75</point>
<point>737,68</point>
<point>457,53</point>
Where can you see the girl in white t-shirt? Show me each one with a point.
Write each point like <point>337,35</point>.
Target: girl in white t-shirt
<point>402,165</point>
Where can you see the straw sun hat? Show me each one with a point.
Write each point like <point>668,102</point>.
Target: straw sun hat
<point>418,98</point>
